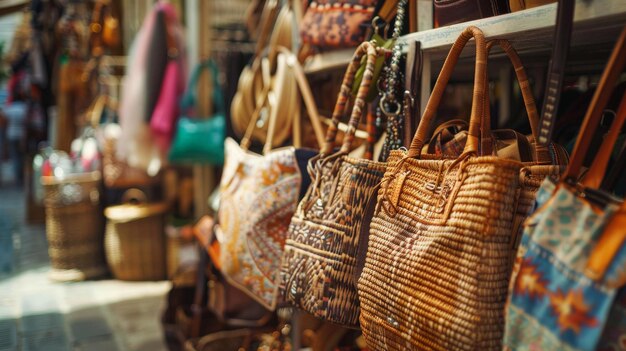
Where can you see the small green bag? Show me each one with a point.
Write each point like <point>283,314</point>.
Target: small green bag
<point>200,140</point>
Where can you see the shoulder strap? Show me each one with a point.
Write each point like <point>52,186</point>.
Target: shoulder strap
<point>412,89</point>
<point>190,98</point>
<point>611,73</point>
<point>562,35</point>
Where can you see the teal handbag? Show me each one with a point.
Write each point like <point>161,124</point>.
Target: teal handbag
<point>200,140</point>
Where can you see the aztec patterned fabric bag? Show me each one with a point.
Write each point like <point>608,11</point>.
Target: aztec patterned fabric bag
<point>438,261</point>
<point>259,194</point>
<point>318,269</point>
<point>336,23</point>
<point>564,291</point>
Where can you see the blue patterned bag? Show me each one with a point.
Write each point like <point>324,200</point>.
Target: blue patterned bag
<point>566,289</point>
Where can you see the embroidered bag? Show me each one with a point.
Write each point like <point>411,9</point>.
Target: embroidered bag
<point>336,23</point>
<point>259,194</point>
<point>318,269</point>
<point>571,260</point>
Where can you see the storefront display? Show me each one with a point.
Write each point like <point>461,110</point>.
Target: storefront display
<point>357,203</point>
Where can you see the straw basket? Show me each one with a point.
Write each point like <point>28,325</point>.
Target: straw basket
<point>135,241</point>
<point>74,226</point>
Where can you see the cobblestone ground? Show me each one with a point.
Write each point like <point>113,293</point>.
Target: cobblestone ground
<point>38,314</point>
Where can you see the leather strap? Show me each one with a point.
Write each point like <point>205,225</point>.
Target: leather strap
<point>596,173</point>
<point>292,66</point>
<point>268,15</point>
<point>593,117</point>
<point>190,99</point>
<point>412,88</point>
<point>307,95</point>
<point>562,35</point>
<point>611,241</point>
<point>610,181</point>
<point>478,97</point>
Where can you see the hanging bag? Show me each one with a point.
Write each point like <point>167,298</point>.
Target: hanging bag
<point>319,263</point>
<point>437,265</point>
<point>259,194</point>
<point>200,140</point>
<point>571,258</point>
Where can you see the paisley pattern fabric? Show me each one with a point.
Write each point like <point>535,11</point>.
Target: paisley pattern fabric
<point>336,23</point>
<point>553,304</point>
<point>259,195</point>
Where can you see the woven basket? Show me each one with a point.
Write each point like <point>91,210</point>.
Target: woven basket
<point>135,241</point>
<point>74,227</point>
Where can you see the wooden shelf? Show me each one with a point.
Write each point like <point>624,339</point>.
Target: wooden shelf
<point>596,22</point>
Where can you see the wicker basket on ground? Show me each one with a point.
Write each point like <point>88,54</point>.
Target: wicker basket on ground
<point>135,239</point>
<point>74,226</point>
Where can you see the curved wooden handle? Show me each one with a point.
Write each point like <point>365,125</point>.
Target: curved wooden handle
<point>480,77</point>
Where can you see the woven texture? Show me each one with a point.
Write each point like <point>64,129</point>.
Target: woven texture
<point>318,269</point>
<point>74,227</point>
<point>135,249</point>
<point>437,265</point>
<point>74,234</point>
<point>259,195</point>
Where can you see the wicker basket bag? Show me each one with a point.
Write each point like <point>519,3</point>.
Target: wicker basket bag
<point>74,226</point>
<point>436,269</point>
<point>319,263</point>
<point>135,238</point>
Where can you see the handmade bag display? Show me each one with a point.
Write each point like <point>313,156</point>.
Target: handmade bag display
<point>319,263</point>
<point>564,289</point>
<point>259,194</point>
<point>200,139</point>
<point>437,265</point>
<point>336,23</point>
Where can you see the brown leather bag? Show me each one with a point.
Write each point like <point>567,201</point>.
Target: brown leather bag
<point>449,12</point>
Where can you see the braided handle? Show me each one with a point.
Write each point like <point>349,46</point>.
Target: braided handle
<point>541,151</point>
<point>480,77</point>
<point>366,48</point>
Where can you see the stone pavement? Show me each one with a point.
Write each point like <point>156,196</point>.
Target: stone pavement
<point>38,314</point>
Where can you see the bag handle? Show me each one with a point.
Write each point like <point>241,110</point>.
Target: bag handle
<point>480,76</point>
<point>562,35</point>
<point>268,15</point>
<point>291,62</point>
<point>593,178</point>
<point>611,73</point>
<point>189,99</point>
<point>341,107</point>
<point>542,154</point>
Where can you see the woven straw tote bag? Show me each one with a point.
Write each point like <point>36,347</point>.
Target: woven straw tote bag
<point>318,269</point>
<point>437,265</point>
<point>259,195</point>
